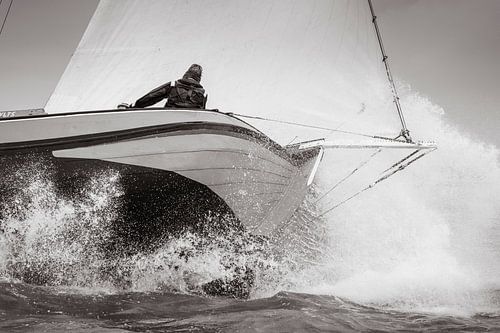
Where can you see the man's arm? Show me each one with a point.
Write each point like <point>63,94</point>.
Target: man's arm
<point>154,96</point>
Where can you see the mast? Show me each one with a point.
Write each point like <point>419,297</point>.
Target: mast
<point>405,133</point>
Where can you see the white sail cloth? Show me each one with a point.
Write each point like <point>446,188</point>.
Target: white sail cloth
<point>310,62</point>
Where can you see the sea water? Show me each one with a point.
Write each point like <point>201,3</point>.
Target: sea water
<point>419,251</point>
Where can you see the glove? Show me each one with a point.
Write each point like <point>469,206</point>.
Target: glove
<point>124,106</point>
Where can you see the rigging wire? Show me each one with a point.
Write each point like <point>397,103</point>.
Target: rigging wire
<point>362,164</point>
<point>401,161</point>
<point>6,15</point>
<point>314,127</point>
<point>381,179</point>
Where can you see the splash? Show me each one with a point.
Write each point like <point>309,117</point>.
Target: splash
<point>47,239</point>
<point>427,240</point>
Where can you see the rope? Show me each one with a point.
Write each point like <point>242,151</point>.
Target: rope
<point>362,164</point>
<point>312,126</point>
<point>381,179</point>
<point>6,15</point>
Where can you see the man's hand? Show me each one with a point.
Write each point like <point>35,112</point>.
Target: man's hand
<point>124,106</point>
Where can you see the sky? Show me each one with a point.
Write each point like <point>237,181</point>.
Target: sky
<point>448,50</point>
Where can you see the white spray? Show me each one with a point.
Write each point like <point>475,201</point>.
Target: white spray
<point>427,239</point>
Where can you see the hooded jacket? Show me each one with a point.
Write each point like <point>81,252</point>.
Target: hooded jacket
<point>185,93</point>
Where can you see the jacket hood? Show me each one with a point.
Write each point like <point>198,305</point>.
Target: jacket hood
<point>194,72</point>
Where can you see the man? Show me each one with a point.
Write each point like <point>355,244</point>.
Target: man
<point>185,93</point>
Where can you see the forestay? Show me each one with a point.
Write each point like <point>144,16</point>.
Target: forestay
<point>310,62</point>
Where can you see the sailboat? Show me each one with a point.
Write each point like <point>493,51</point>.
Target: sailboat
<point>306,66</point>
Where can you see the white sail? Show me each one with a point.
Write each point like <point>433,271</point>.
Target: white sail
<point>309,62</point>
